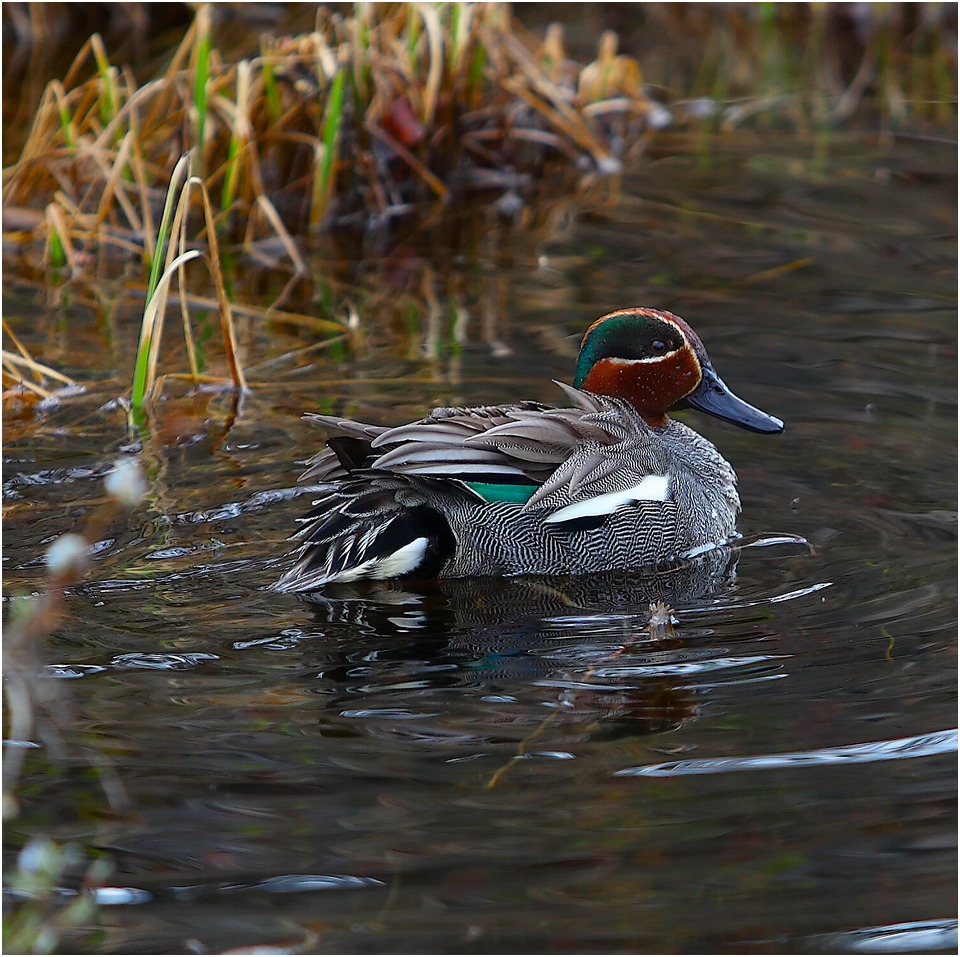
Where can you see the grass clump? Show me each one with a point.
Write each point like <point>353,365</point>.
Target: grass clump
<point>356,119</point>
<point>389,109</point>
<point>169,257</point>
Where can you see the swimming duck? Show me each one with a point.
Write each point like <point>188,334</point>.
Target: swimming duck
<point>606,482</point>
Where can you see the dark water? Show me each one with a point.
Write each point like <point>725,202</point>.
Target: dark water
<point>520,766</point>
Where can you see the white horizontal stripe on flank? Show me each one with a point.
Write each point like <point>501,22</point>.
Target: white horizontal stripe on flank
<point>653,488</point>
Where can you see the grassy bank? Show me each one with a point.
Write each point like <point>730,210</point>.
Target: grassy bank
<point>349,120</point>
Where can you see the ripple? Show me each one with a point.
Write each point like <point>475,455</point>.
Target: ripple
<point>685,668</point>
<point>918,746</point>
<point>552,755</point>
<point>54,476</point>
<point>156,662</point>
<point>913,937</point>
<point>255,502</point>
<point>72,671</point>
<point>280,884</point>
<point>395,714</point>
<point>115,896</point>
<point>177,551</point>
<point>298,883</point>
<point>104,896</point>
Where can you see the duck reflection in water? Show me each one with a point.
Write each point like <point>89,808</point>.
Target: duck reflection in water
<point>609,651</point>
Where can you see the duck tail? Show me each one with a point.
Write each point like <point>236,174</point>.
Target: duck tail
<point>370,529</point>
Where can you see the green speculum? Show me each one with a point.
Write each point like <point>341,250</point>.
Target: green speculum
<point>494,492</point>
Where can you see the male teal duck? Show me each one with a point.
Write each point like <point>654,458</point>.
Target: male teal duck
<point>609,482</point>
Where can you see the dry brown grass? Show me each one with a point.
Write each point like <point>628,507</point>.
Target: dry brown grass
<point>357,119</point>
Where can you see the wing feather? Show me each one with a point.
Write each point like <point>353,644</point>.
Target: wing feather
<point>337,425</point>
<point>553,447</point>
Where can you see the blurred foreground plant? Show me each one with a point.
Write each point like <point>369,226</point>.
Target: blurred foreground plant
<point>45,910</point>
<point>32,706</point>
<point>35,713</point>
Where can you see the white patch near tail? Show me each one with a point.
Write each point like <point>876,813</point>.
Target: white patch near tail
<point>400,562</point>
<point>653,488</point>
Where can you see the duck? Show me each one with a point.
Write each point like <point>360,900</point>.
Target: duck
<point>605,481</point>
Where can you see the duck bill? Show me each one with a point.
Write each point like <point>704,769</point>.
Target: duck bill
<point>713,396</point>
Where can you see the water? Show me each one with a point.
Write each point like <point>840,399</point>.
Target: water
<point>521,766</point>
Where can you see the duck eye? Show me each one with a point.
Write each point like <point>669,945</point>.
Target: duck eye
<point>658,347</point>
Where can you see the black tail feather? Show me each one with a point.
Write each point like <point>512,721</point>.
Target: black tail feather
<point>352,453</point>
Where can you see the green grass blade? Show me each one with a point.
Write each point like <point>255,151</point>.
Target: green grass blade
<point>331,127</point>
<point>143,374</point>
<point>173,190</point>
<point>66,120</point>
<point>270,88</point>
<point>108,84</point>
<point>58,256</point>
<point>202,74</point>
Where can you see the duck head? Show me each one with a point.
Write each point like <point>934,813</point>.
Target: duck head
<point>656,362</point>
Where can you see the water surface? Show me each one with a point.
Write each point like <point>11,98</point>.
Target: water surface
<point>521,766</point>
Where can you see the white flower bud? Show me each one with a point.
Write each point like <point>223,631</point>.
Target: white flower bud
<point>67,556</point>
<point>125,484</point>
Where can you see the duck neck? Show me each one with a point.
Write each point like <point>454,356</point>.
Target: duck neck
<point>649,385</point>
